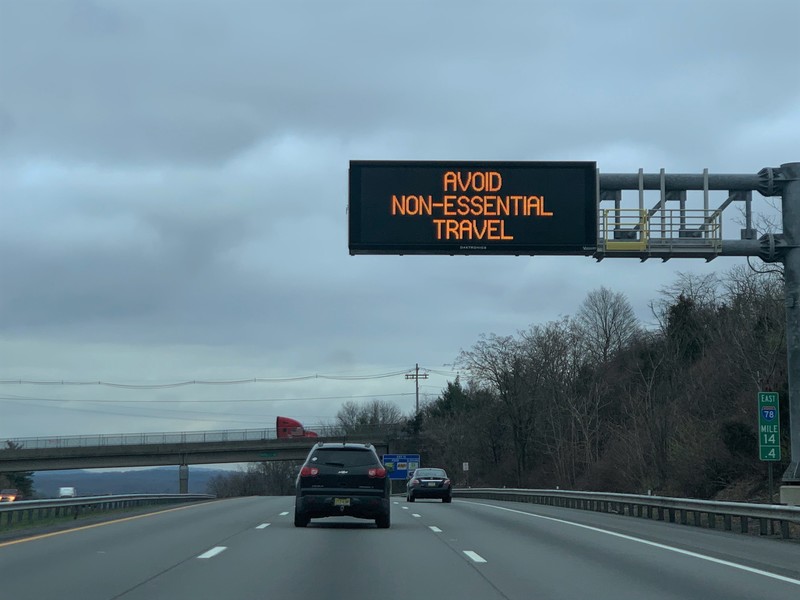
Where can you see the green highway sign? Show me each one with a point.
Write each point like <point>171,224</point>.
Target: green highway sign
<point>769,426</point>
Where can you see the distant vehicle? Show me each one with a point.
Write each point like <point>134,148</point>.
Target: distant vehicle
<point>342,479</point>
<point>429,483</point>
<point>291,428</point>
<point>10,495</point>
<point>67,492</point>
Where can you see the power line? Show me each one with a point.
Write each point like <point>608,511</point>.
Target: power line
<point>156,386</point>
<point>16,397</point>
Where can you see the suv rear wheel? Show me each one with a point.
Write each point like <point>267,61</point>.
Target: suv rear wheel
<point>300,519</point>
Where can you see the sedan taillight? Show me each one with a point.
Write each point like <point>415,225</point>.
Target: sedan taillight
<point>414,482</point>
<point>378,472</point>
<point>309,472</point>
<point>446,482</point>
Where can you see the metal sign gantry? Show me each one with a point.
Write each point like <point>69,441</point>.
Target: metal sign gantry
<point>664,232</point>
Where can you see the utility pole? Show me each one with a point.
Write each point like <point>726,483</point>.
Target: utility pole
<point>416,376</point>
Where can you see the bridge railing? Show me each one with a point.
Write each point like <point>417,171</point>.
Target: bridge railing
<point>131,439</point>
<point>763,519</point>
<point>175,437</point>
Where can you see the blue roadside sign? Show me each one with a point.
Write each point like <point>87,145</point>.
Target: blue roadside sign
<point>399,466</point>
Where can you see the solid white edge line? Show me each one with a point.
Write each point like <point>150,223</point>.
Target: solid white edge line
<point>718,561</point>
<point>263,526</point>
<point>213,552</point>
<point>475,556</point>
<point>434,529</point>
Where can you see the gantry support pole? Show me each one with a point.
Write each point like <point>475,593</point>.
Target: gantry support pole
<point>790,205</point>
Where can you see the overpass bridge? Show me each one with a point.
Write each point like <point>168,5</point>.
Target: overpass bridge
<point>166,449</point>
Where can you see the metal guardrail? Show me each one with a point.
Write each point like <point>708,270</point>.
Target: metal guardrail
<point>30,511</point>
<point>703,513</point>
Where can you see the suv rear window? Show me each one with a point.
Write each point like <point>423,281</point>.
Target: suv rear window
<point>344,457</point>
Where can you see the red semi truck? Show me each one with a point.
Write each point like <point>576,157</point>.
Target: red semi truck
<point>291,428</point>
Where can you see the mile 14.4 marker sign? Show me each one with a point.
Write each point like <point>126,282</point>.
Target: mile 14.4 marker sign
<point>769,426</point>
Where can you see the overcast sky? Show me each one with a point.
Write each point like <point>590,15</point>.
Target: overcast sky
<point>174,192</point>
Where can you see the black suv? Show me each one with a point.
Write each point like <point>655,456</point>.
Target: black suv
<point>342,479</point>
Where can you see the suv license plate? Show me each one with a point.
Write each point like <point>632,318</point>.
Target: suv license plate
<point>341,501</point>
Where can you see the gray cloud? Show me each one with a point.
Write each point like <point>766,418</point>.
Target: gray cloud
<point>173,179</point>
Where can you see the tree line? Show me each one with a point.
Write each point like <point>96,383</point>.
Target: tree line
<point>598,401</point>
<point>601,401</point>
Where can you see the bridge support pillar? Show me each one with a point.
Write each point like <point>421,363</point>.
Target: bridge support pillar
<point>183,479</point>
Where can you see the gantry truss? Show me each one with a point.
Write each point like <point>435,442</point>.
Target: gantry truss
<point>672,226</point>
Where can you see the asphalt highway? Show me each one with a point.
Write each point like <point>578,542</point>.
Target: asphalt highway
<point>248,548</point>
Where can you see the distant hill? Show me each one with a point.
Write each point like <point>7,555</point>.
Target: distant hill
<point>160,480</point>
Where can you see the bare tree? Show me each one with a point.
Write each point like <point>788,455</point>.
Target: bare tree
<point>501,364</point>
<point>607,323</point>
<point>371,416</point>
<point>464,424</point>
<point>560,429</point>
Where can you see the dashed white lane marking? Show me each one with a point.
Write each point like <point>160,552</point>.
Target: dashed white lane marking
<point>283,514</point>
<point>263,526</point>
<point>395,502</point>
<point>434,529</point>
<point>405,508</point>
<point>654,545</point>
<point>415,515</point>
<point>213,552</point>
<point>475,556</point>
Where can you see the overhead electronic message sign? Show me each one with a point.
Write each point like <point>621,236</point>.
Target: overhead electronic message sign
<point>422,207</point>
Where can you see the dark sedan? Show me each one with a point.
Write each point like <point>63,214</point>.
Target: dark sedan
<point>429,483</point>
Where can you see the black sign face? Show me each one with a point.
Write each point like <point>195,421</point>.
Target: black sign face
<point>420,207</point>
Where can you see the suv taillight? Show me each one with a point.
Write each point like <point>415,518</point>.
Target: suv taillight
<point>309,472</point>
<point>379,472</point>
